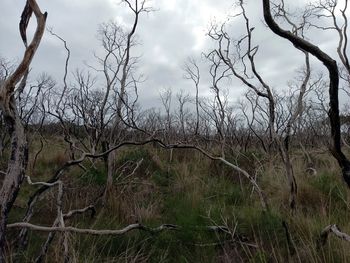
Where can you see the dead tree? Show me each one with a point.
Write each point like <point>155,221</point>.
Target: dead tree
<point>166,98</point>
<point>252,78</point>
<point>324,11</point>
<point>219,105</point>
<point>125,65</point>
<point>254,120</point>
<point>333,71</point>
<point>182,114</point>
<point>192,72</point>
<point>5,70</point>
<point>18,160</point>
<point>239,56</point>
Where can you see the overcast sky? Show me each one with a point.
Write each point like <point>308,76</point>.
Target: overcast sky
<point>175,31</point>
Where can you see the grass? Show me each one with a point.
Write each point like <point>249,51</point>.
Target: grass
<point>193,192</point>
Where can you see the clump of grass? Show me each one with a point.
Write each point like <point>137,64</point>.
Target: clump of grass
<point>330,186</point>
<point>135,155</point>
<point>95,176</point>
<point>223,191</point>
<point>162,178</point>
<point>252,221</point>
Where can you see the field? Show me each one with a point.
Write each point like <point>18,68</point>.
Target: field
<point>191,192</point>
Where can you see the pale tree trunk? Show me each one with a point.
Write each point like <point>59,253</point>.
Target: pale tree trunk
<point>17,165</point>
<point>117,122</point>
<point>113,140</point>
<point>111,165</point>
<point>18,159</point>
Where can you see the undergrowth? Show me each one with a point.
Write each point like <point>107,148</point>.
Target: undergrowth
<point>192,192</point>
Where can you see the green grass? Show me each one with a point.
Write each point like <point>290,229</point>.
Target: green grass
<point>95,176</point>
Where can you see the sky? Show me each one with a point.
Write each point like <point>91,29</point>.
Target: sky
<point>176,30</point>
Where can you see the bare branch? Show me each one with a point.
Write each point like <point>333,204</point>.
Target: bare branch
<point>333,229</point>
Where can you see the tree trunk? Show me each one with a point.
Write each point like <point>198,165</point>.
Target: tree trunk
<point>18,159</point>
<point>110,172</point>
<point>17,165</point>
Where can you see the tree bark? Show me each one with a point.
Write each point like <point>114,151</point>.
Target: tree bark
<point>15,172</point>
<point>18,159</point>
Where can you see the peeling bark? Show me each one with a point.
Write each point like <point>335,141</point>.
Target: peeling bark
<point>18,159</point>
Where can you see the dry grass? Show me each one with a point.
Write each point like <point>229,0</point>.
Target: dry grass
<point>194,191</point>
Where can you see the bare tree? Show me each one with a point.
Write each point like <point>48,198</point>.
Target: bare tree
<point>166,99</point>
<point>17,163</point>
<point>333,71</point>
<point>240,59</point>
<point>326,11</point>
<point>5,70</point>
<point>254,120</point>
<point>192,72</point>
<point>137,8</point>
<point>182,114</point>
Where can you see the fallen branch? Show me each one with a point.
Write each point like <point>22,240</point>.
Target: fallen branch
<point>336,231</point>
<point>51,235</point>
<point>80,211</point>
<point>110,231</point>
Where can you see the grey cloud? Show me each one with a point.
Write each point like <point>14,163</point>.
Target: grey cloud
<point>168,36</point>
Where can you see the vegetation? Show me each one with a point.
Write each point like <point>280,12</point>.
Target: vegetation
<point>87,175</point>
<point>193,195</point>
